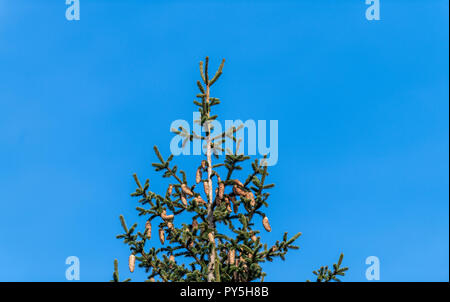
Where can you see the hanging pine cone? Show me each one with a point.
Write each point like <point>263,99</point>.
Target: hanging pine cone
<point>206,187</point>
<point>211,237</point>
<point>254,238</point>
<point>199,200</point>
<point>266,224</point>
<point>169,190</point>
<point>250,196</point>
<point>229,208</point>
<point>186,190</point>
<point>172,258</point>
<point>231,255</point>
<point>161,236</point>
<point>204,164</point>
<point>218,200</point>
<point>131,262</point>
<point>183,199</point>
<point>237,188</point>
<point>148,226</point>
<point>221,190</point>
<point>238,182</point>
<point>164,216</point>
<point>198,175</point>
<point>170,225</point>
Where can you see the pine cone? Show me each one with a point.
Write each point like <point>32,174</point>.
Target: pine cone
<point>169,190</point>
<point>204,164</point>
<point>221,190</point>
<point>148,226</point>
<point>238,182</point>
<point>166,217</point>
<point>172,258</point>
<point>231,255</point>
<point>206,187</point>
<point>238,191</point>
<point>183,199</point>
<point>211,237</point>
<point>254,238</point>
<point>161,236</point>
<point>186,190</point>
<point>266,224</point>
<point>170,225</point>
<point>198,175</point>
<point>218,200</point>
<point>238,188</point>
<point>131,262</point>
<point>250,196</point>
<point>199,200</point>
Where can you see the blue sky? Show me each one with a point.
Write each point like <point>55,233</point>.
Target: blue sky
<point>363,126</point>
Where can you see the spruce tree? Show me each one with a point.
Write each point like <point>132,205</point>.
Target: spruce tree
<point>219,241</point>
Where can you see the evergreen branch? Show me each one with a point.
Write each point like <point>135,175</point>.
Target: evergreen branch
<point>324,274</point>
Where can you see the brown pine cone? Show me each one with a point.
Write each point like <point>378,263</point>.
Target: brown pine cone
<point>198,175</point>
<point>221,190</point>
<point>169,190</point>
<point>238,191</point>
<point>148,226</point>
<point>250,196</point>
<point>183,199</point>
<point>199,200</point>
<point>238,182</point>
<point>161,236</point>
<point>186,190</point>
<point>231,255</point>
<point>266,224</point>
<point>206,187</point>
<point>164,216</point>
<point>131,262</point>
<point>211,237</point>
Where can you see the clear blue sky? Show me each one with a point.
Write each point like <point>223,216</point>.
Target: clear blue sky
<point>363,126</point>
